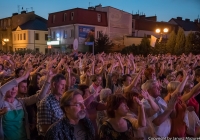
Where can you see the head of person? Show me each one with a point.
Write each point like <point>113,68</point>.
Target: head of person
<point>104,94</point>
<point>116,106</point>
<point>1,67</point>
<point>197,75</point>
<point>73,79</point>
<point>149,73</point>
<point>19,72</point>
<point>171,77</point>
<point>152,87</point>
<point>126,79</point>
<point>188,86</point>
<point>114,78</point>
<point>85,90</point>
<point>130,102</point>
<point>11,93</point>
<point>97,80</point>
<point>72,104</point>
<point>58,84</point>
<point>35,80</point>
<point>22,87</point>
<point>171,86</point>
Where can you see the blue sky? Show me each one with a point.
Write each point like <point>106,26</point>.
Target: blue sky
<point>163,9</point>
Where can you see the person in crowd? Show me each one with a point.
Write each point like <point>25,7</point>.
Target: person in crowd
<point>97,81</point>
<point>19,72</point>
<point>74,124</point>
<point>49,110</point>
<point>117,127</point>
<point>135,111</point>
<point>14,122</point>
<point>161,119</point>
<point>22,89</point>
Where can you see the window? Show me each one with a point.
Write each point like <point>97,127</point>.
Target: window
<point>65,34</point>
<point>36,36</point>
<point>72,15</point>
<point>54,35</point>
<point>37,49</point>
<point>46,36</point>
<point>99,34</point>
<point>20,36</point>
<point>72,33</point>
<point>54,18</point>
<point>8,22</point>
<point>14,37</point>
<point>99,17</point>
<point>24,36</point>
<point>1,23</point>
<point>64,16</point>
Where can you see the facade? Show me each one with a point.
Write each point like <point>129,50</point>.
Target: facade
<point>119,23</point>
<point>81,24</point>
<point>31,35</point>
<point>9,24</point>
<point>187,25</point>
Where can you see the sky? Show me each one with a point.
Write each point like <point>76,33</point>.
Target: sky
<point>163,9</point>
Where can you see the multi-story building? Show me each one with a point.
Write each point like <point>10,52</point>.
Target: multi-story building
<point>9,24</point>
<point>187,25</point>
<point>81,24</point>
<point>31,35</point>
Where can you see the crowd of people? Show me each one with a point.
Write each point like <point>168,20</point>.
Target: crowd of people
<point>99,97</point>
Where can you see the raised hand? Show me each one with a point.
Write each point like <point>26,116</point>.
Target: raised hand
<point>139,103</point>
<point>3,111</point>
<point>145,94</point>
<point>172,102</point>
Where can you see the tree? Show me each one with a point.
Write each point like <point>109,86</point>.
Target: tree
<point>171,42</point>
<point>180,42</point>
<point>103,43</point>
<point>196,43</point>
<point>145,46</point>
<point>189,42</point>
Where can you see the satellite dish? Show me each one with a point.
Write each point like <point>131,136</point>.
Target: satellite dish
<point>75,44</point>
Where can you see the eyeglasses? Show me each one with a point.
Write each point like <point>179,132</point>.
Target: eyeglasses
<point>79,104</point>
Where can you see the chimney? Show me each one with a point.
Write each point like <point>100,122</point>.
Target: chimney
<point>188,20</point>
<point>14,14</point>
<point>179,18</point>
<point>23,12</point>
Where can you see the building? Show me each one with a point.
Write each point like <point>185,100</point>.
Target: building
<point>119,23</point>
<point>9,24</point>
<point>187,25</point>
<point>31,35</point>
<point>82,24</point>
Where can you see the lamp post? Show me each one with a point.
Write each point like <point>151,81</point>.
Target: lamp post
<point>161,32</point>
<point>6,40</point>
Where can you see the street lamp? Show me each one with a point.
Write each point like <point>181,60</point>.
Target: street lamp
<point>161,32</point>
<point>6,40</point>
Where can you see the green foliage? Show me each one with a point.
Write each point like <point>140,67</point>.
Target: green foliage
<point>171,42</point>
<point>189,42</point>
<point>160,48</point>
<point>180,42</point>
<point>130,49</point>
<point>103,44</point>
<point>196,43</point>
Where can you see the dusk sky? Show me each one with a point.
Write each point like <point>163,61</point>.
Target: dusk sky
<point>163,9</point>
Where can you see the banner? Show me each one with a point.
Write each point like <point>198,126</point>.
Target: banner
<point>86,34</point>
<point>153,41</point>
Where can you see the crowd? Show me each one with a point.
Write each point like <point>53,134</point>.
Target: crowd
<point>99,97</point>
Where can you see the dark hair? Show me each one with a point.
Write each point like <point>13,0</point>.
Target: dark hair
<point>148,72</point>
<point>83,87</point>
<point>94,77</point>
<point>57,78</point>
<point>33,81</point>
<point>2,66</point>
<point>113,102</point>
<point>197,72</point>
<point>67,97</point>
<point>129,96</point>
<point>123,79</point>
<point>17,71</point>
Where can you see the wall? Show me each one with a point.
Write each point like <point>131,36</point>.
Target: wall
<point>132,40</point>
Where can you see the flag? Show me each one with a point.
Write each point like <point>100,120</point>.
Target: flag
<point>153,40</point>
<point>3,43</point>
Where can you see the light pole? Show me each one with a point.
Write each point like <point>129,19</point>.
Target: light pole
<point>161,32</point>
<point>6,40</point>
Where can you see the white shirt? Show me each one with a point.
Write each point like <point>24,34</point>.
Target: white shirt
<point>164,128</point>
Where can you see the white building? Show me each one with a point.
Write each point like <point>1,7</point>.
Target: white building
<point>31,35</point>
